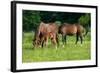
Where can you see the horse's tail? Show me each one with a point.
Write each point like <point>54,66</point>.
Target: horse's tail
<point>85,32</point>
<point>59,29</point>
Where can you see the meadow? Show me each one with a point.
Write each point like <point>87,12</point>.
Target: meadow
<point>71,51</point>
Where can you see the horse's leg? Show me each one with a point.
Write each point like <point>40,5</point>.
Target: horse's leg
<point>46,40</point>
<point>42,41</point>
<point>77,38</point>
<point>57,41</point>
<point>63,38</point>
<point>54,41</point>
<point>81,38</point>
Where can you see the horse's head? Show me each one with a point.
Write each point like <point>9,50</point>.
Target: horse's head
<point>36,42</point>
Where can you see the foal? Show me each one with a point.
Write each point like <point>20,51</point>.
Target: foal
<point>46,31</point>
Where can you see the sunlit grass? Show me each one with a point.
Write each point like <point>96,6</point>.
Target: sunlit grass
<point>71,51</point>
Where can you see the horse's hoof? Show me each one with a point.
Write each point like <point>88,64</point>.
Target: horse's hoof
<point>56,47</point>
<point>63,46</point>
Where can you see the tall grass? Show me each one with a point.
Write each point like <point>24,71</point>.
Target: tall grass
<point>71,51</point>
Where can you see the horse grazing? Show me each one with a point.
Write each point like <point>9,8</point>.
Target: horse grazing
<point>71,29</point>
<point>44,32</point>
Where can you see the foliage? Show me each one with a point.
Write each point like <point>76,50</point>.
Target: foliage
<point>31,19</point>
<point>85,20</point>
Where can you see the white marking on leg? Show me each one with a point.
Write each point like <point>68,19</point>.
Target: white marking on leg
<point>63,46</point>
<point>56,47</point>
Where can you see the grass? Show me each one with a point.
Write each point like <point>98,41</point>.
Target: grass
<point>50,53</point>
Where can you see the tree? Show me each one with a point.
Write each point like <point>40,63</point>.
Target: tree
<point>85,20</point>
<point>31,20</point>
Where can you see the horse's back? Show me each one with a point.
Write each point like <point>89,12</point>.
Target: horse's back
<point>52,28</point>
<point>69,29</point>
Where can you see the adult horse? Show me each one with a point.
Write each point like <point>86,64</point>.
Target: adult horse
<point>71,29</point>
<point>44,32</point>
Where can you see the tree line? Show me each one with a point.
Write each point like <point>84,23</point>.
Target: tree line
<point>31,19</point>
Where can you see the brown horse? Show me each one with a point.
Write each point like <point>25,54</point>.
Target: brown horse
<point>71,29</point>
<point>44,32</point>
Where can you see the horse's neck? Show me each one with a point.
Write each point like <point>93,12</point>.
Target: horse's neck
<point>46,25</point>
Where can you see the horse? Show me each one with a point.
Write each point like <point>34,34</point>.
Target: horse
<point>71,29</point>
<point>44,32</point>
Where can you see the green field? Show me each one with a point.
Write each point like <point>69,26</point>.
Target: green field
<point>50,53</point>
